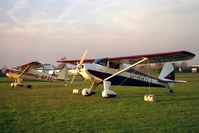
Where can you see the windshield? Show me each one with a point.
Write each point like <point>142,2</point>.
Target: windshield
<point>102,62</point>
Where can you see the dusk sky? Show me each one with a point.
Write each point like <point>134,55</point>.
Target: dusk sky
<point>46,30</point>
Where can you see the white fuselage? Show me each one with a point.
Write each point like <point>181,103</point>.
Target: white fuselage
<point>97,73</point>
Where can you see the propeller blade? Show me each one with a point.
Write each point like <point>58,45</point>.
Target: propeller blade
<point>73,77</point>
<point>83,57</point>
<point>79,66</point>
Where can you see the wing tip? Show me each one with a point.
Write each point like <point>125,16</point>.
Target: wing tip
<point>188,53</point>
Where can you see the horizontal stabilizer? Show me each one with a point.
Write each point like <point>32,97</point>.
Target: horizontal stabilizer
<point>172,81</point>
<point>168,74</point>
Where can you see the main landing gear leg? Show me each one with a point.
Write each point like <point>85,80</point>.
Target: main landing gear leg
<point>106,93</point>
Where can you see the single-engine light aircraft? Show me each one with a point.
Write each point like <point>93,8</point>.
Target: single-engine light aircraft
<point>28,72</point>
<point>112,71</point>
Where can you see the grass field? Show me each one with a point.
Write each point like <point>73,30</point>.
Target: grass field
<point>51,107</point>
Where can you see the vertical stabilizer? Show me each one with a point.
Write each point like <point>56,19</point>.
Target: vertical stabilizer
<point>167,72</point>
<point>167,76</point>
<point>63,75</point>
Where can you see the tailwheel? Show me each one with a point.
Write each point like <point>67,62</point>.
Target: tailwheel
<point>28,86</point>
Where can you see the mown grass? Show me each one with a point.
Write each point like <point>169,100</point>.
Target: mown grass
<point>51,107</point>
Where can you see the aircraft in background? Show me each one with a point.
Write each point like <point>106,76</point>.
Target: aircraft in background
<point>29,72</point>
<point>112,71</point>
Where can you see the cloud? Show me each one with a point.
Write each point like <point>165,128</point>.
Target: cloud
<point>17,6</point>
<point>26,16</point>
<point>3,25</point>
<point>130,27</point>
<point>104,5</point>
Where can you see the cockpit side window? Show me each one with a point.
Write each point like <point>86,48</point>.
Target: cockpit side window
<point>114,65</point>
<point>102,62</point>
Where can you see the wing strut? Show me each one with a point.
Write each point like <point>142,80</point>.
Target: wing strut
<point>107,92</point>
<point>24,71</point>
<point>125,69</point>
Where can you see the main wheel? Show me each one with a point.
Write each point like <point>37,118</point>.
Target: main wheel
<point>28,86</point>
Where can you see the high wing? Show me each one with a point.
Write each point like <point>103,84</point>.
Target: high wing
<point>76,61</point>
<point>26,67</point>
<point>152,58</point>
<point>31,65</point>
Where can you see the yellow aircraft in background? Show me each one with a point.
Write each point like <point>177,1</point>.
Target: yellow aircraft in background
<point>29,72</point>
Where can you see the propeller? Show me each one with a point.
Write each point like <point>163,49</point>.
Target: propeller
<point>5,70</point>
<point>79,66</point>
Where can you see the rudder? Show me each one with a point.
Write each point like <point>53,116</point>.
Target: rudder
<point>167,72</point>
<point>63,75</point>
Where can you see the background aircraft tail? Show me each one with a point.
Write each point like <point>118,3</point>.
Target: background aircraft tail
<point>63,75</point>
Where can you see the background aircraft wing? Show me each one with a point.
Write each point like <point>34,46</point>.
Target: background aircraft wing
<point>31,65</point>
<point>154,58</point>
<point>26,67</point>
<point>76,61</point>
